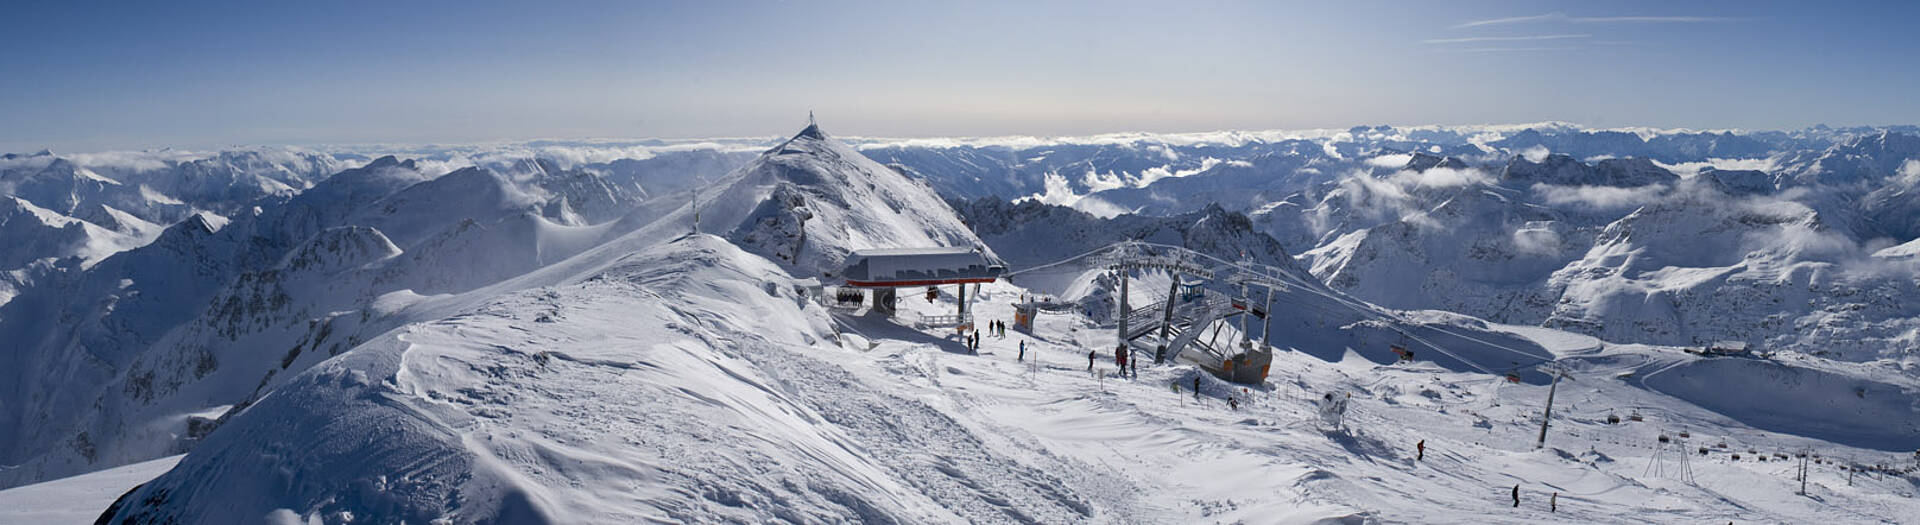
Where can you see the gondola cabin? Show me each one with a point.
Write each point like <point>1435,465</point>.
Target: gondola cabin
<point>1402,352</point>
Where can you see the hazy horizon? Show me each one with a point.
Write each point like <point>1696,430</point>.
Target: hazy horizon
<point>206,75</point>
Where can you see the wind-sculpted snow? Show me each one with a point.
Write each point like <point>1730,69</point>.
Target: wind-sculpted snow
<point>672,387</point>
<point>140,354</point>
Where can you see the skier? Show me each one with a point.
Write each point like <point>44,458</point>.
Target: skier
<point>1422,450</point>
<point>1135,365</point>
<point>1233,403</point>
<point>1023,351</point>
<point>1553,505</point>
<point>1120,358</point>
<point>1516,496</point>
<point>1090,356</point>
<point>1196,388</point>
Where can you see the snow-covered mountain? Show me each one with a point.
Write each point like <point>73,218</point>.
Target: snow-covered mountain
<point>538,336</point>
<point>814,200</point>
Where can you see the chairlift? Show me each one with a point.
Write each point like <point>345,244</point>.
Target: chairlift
<point>933,294</point>
<point>1400,349</point>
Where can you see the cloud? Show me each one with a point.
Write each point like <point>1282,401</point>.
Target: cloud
<point>1391,161</point>
<point>1154,174</point>
<point>1652,19</point>
<point>1502,49</point>
<point>1690,169</point>
<point>1599,197</point>
<point>1536,154</point>
<point>1442,178</point>
<point>1562,17</point>
<point>1528,38</point>
<point>1512,20</point>
<point>1910,173</point>
<point>1537,239</point>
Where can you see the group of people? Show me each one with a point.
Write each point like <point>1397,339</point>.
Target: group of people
<point>1127,366</point>
<point>995,327</point>
<point>1553,502</point>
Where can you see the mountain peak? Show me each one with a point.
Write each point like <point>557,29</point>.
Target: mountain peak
<point>812,131</point>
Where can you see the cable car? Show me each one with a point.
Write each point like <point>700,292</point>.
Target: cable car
<point>1405,354</point>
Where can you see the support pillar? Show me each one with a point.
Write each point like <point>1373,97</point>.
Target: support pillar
<point>961,321</point>
<point>1266,326</point>
<point>1166,321</point>
<point>1125,311</point>
<point>1246,339</point>
<point>1547,416</point>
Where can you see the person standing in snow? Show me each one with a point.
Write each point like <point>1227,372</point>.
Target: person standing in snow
<point>1516,496</point>
<point>1196,388</point>
<point>1553,504</point>
<point>1090,356</point>
<point>1120,358</point>
<point>1233,403</point>
<point>1135,365</point>
<point>1023,352</point>
<point>1420,450</point>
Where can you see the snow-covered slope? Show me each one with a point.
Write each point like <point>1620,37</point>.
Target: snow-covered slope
<point>688,383</point>
<point>539,340</point>
<point>141,354</point>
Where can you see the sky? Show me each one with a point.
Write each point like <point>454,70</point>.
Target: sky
<point>87,76</point>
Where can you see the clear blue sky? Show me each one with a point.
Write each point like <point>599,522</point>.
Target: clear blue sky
<point>85,75</point>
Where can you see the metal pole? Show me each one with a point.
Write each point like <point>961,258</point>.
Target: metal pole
<point>1548,415</point>
<point>1803,475</point>
<point>1246,339</point>
<point>962,319</point>
<point>1166,321</point>
<point>1266,325</point>
<point>1124,310</point>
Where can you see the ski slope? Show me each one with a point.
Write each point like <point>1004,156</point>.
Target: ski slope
<point>631,371</point>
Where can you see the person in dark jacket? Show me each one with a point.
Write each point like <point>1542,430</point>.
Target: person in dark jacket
<point>1516,496</point>
<point>1421,449</point>
<point>1090,356</point>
